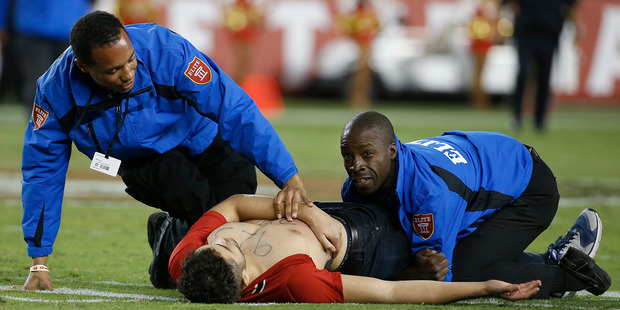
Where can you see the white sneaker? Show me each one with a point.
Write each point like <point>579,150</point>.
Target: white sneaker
<point>584,236</point>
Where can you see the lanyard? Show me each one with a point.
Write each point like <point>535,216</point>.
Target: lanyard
<point>120,120</point>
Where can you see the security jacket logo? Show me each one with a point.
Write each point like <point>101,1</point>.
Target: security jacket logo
<point>39,115</point>
<point>198,71</point>
<point>424,225</point>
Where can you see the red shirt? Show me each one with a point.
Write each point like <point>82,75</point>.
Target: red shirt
<point>293,279</point>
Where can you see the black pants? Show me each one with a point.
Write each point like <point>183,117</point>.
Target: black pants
<point>495,249</point>
<point>378,246</point>
<point>186,187</point>
<point>535,51</point>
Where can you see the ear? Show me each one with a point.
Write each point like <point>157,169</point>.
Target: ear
<point>245,278</point>
<point>392,150</point>
<point>83,67</point>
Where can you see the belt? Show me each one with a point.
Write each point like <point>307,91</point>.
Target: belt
<point>351,264</point>
<point>532,152</point>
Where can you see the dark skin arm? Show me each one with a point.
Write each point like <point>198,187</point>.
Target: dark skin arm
<point>37,280</point>
<point>288,200</point>
<point>428,265</point>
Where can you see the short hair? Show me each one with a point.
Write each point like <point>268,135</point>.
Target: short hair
<point>97,28</point>
<point>374,121</point>
<point>208,278</point>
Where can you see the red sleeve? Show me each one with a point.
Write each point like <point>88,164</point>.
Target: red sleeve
<point>295,279</point>
<point>195,238</point>
<point>316,286</point>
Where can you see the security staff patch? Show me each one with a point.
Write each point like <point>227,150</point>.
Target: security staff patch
<point>424,225</point>
<point>198,71</point>
<point>39,115</point>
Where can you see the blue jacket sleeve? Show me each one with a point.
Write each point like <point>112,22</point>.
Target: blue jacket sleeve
<point>215,95</point>
<point>435,224</point>
<point>45,159</point>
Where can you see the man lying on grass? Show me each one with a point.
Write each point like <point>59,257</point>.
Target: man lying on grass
<point>229,256</point>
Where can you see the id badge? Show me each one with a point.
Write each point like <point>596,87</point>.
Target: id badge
<point>108,165</point>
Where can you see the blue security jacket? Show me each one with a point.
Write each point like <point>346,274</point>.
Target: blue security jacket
<point>447,184</point>
<point>180,99</point>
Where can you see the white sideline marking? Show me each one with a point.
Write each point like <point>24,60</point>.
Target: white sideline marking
<point>22,279</point>
<point>574,202</point>
<point>612,294</point>
<point>55,301</point>
<point>585,201</point>
<point>91,292</point>
<point>114,296</point>
<point>116,283</point>
<point>83,188</point>
<point>541,302</point>
<point>108,296</point>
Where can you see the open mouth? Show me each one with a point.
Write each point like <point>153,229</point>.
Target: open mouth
<point>361,180</point>
<point>127,86</point>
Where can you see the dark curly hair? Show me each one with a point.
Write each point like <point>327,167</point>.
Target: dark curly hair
<point>94,29</point>
<point>208,278</point>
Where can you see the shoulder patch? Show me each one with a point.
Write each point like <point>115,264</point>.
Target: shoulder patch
<point>39,115</point>
<point>424,225</point>
<point>198,71</point>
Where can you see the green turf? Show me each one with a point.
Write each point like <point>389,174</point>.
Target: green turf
<point>101,246</point>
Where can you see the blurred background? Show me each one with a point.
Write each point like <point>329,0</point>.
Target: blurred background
<point>305,56</point>
<point>430,66</point>
<point>420,48</point>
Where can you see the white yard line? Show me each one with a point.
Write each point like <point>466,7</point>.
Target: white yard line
<point>55,301</point>
<point>10,185</point>
<point>541,303</point>
<point>574,202</point>
<point>106,296</point>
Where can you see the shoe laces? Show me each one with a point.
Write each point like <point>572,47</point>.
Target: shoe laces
<point>559,246</point>
<point>564,240</point>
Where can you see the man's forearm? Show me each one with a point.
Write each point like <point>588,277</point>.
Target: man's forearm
<point>370,290</point>
<point>239,208</point>
<point>435,292</point>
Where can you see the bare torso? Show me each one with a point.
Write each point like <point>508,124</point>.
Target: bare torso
<point>270,241</point>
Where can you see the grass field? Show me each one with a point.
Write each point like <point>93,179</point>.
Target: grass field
<point>101,255</point>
